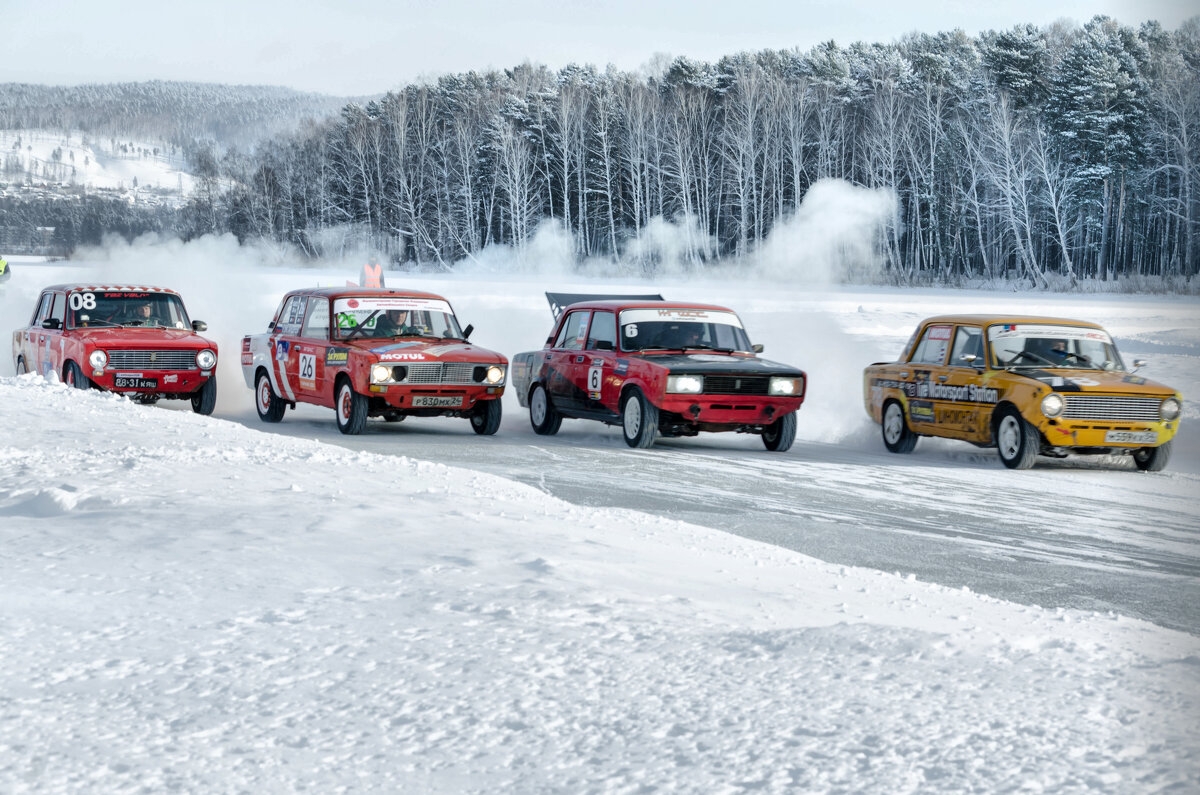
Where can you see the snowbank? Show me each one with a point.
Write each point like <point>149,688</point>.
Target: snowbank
<point>191,604</point>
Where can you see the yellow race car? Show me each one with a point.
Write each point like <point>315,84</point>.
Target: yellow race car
<point>1024,385</point>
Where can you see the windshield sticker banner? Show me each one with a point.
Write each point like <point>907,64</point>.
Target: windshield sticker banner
<point>669,315</point>
<point>1010,330</point>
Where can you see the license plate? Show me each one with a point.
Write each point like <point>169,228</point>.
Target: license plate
<point>135,383</point>
<point>1131,437</point>
<point>429,402</point>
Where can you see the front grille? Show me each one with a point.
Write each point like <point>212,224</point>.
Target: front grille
<point>441,373</point>
<point>736,384</point>
<point>1112,408</point>
<point>152,360</point>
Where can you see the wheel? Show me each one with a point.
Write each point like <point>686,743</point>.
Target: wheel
<point>542,414</point>
<point>204,399</point>
<point>1016,439</point>
<point>897,436</point>
<point>270,406</point>
<point>394,416</point>
<point>74,377</point>
<point>485,419</point>
<point>779,435</point>
<point>21,368</point>
<point>639,420</point>
<point>1152,459</point>
<point>351,409</point>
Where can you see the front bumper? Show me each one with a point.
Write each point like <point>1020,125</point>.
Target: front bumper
<point>1131,435</point>
<point>729,409</point>
<point>407,397</point>
<point>166,382</point>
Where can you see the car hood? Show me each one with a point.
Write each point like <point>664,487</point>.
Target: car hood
<point>425,351</point>
<point>720,363</point>
<point>1105,381</point>
<point>138,337</point>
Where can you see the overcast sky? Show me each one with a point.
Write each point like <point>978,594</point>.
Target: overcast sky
<point>357,47</point>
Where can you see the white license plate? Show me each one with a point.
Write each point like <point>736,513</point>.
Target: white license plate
<point>428,402</point>
<point>1131,437</point>
<point>135,383</point>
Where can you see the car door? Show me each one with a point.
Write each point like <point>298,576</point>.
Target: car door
<point>314,347</point>
<point>957,410</point>
<point>591,376</point>
<point>30,342</point>
<point>928,372</point>
<point>51,358</point>
<point>561,363</point>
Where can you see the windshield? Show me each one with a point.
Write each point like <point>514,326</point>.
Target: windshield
<point>387,317</point>
<point>116,308</point>
<point>1017,345</point>
<point>682,329</point>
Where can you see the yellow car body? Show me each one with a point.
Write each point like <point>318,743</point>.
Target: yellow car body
<point>1026,385</point>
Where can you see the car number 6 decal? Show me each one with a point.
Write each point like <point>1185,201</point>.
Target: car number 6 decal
<point>595,375</point>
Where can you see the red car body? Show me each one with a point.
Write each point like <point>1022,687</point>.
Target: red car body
<point>85,335</point>
<point>590,370</point>
<point>432,371</point>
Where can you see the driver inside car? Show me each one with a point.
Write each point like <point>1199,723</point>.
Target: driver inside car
<point>394,323</point>
<point>143,314</point>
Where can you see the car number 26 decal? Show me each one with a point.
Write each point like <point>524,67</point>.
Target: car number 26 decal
<point>308,366</point>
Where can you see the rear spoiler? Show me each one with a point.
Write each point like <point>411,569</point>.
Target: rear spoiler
<point>560,301</point>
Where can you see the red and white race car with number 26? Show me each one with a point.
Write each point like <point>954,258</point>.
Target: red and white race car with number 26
<point>373,352</point>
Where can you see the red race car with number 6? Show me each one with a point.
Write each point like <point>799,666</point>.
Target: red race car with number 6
<point>134,340</point>
<point>657,367</point>
<point>373,352</point>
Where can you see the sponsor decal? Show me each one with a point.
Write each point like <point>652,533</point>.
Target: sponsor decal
<point>1134,379</point>
<point>352,303</point>
<point>939,332</point>
<point>170,379</point>
<point>1084,381</point>
<point>247,358</point>
<point>622,366</point>
<point>281,350</point>
<point>920,411</point>
<point>402,357</point>
<point>336,357</point>
<point>953,416</point>
<point>926,389</point>
<point>707,357</point>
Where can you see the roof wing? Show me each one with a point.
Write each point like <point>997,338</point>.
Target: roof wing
<point>560,301</point>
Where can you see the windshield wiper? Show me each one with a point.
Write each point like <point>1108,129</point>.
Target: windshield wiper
<point>361,327</point>
<point>703,347</point>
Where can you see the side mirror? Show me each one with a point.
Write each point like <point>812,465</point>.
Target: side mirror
<point>52,323</point>
<point>757,347</point>
<point>604,345</point>
<point>271,326</point>
<point>1138,364</point>
<point>467,331</point>
<point>199,325</point>
<point>972,360</point>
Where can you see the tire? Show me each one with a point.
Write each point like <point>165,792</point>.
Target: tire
<point>350,408</point>
<point>204,399</point>
<point>21,369</point>
<point>639,420</point>
<point>544,418</point>
<point>394,416</point>
<point>74,377</point>
<point>779,435</point>
<point>897,436</point>
<point>1152,459</point>
<point>1016,440</point>
<point>485,419</point>
<point>270,406</point>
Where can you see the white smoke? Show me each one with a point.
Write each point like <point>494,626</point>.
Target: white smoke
<point>834,237</point>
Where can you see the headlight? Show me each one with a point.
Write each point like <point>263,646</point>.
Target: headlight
<point>1052,404</point>
<point>688,384</point>
<point>1170,409</point>
<point>98,359</point>
<point>495,374</point>
<point>785,386</point>
<point>381,373</point>
<point>206,359</point>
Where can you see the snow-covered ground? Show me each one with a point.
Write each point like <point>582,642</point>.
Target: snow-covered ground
<point>94,162</point>
<point>190,603</point>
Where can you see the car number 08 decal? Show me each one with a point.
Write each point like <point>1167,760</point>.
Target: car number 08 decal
<point>308,366</point>
<point>82,301</point>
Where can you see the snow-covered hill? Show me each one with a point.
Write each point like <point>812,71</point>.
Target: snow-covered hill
<point>42,156</point>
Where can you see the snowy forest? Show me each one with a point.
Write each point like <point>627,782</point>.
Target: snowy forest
<point>1040,155</point>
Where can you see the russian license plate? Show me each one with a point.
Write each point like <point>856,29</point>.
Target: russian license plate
<point>1131,437</point>
<point>135,383</point>
<point>431,402</point>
